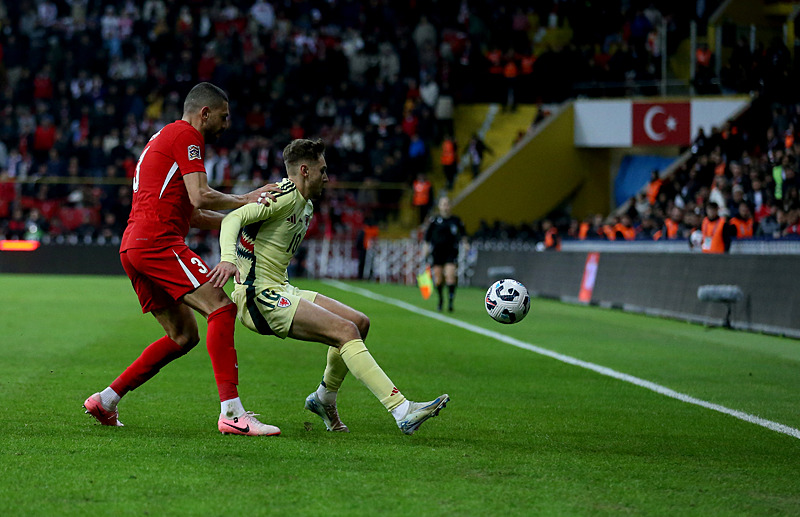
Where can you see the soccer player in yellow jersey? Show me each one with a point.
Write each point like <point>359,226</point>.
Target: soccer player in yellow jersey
<point>257,242</point>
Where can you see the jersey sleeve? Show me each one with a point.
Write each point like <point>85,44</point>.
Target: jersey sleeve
<point>242,216</point>
<point>187,149</point>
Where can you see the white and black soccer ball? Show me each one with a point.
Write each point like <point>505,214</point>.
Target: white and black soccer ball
<point>507,301</point>
<point>696,239</point>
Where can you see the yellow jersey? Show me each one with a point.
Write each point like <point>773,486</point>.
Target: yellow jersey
<point>261,240</point>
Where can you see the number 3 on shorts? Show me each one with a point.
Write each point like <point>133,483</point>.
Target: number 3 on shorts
<point>200,265</point>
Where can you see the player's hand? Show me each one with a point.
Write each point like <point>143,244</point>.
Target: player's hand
<point>222,272</point>
<point>264,194</point>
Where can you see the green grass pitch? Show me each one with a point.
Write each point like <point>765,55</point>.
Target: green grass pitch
<point>524,434</point>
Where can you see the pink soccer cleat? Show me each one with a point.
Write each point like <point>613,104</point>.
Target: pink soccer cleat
<point>94,407</point>
<point>247,425</point>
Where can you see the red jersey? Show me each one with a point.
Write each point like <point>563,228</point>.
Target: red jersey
<point>161,208</point>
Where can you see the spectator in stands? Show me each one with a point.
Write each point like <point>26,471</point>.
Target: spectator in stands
<point>792,226</point>
<point>552,239</point>
<point>422,198</point>
<point>364,240</point>
<point>592,228</point>
<point>647,230</point>
<point>15,226</point>
<point>673,227</point>
<point>654,187</point>
<point>716,231</point>
<point>743,222</point>
<point>624,229</point>
<point>449,160</point>
<point>130,64</point>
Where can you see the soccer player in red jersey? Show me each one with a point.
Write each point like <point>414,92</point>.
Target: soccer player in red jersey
<point>170,195</point>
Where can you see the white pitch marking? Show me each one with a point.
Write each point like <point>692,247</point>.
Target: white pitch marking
<point>602,370</point>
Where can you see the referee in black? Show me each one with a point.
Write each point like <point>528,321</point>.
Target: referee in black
<point>444,234</point>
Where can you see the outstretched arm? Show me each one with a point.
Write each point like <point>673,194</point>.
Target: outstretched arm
<point>204,197</point>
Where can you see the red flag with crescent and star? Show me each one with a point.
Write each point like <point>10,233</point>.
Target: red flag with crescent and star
<point>666,123</point>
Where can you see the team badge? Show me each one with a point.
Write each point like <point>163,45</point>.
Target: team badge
<point>284,302</point>
<point>194,152</point>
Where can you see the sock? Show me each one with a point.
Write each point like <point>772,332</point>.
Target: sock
<point>439,289</point>
<point>335,372</point>
<point>324,395</point>
<point>400,411</point>
<point>232,408</point>
<point>360,362</point>
<point>152,359</point>
<point>451,294</point>
<point>109,399</point>
<point>219,341</point>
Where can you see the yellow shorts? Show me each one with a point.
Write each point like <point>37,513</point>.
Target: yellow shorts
<point>269,311</point>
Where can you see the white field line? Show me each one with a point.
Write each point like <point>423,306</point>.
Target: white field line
<point>602,370</point>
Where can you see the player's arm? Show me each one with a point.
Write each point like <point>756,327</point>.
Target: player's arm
<point>228,235</point>
<point>206,219</point>
<point>204,197</point>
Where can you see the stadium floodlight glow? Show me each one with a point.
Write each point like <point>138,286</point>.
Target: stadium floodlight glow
<point>9,245</point>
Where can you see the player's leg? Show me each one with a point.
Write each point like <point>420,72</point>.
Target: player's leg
<point>451,280</point>
<point>216,307</point>
<point>438,281</point>
<point>357,317</point>
<point>323,401</point>
<point>313,322</point>
<point>177,320</point>
<point>181,336</point>
<point>220,311</point>
<point>336,369</point>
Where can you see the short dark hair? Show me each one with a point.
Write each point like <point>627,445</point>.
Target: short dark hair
<point>303,149</point>
<point>204,94</point>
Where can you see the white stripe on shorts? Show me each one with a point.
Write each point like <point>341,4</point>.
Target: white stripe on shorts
<point>186,270</point>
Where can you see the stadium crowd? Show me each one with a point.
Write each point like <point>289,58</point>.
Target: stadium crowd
<point>85,83</point>
<point>747,169</point>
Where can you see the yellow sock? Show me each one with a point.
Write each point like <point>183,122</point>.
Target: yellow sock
<point>335,370</point>
<point>360,362</point>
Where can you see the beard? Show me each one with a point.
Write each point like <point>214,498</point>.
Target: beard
<point>211,138</point>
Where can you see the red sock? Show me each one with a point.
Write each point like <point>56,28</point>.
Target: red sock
<point>152,359</point>
<point>219,341</point>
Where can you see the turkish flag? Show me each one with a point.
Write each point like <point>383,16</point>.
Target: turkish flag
<point>666,123</point>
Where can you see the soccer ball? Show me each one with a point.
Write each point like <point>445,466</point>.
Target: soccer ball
<point>696,239</point>
<point>507,301</point>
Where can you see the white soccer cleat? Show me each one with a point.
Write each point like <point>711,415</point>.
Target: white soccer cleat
<point>327,412</point>
<point>418,412</point>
